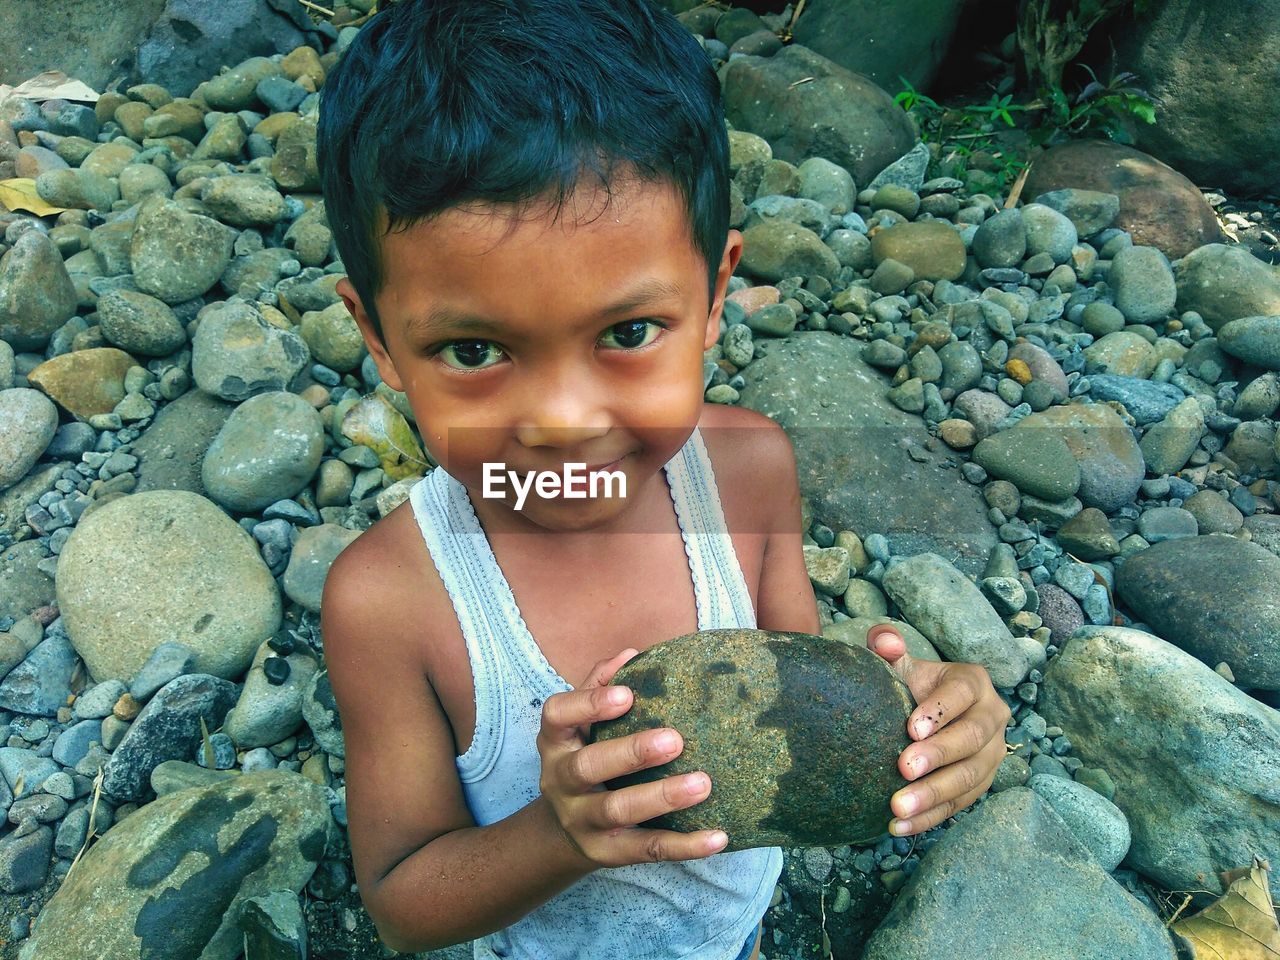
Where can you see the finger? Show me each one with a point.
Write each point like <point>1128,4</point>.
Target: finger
<point>958,741</point>
<point>603,671</point>
<point>885,639</point>
<point>947,783</point>
<point>651,846</point>
<point>950,795</point>
<point>643,802</point>
<point>567,716</point>
<point>943,692</point>
<point>607,759</point>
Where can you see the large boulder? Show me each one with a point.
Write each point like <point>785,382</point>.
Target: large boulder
<point>1193,758</point>
<point>807,106</point>
<point>1224,283</point>
<point>862,462</point>
<point>1012,881</point>
<point>194,39</point>
<point>799,735</point>
<point>163,566</point>
<point>1217,126</point>
<point>1214,596</point>
<point>169,881</point>
<point>885,41</point>
<point>73,37</point>
<point>1158,205</point>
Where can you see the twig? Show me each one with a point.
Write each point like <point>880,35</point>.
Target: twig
<point>316,7</point>
<point>91,832</point>
<point>1016,192</point>
<point>1177,913</point>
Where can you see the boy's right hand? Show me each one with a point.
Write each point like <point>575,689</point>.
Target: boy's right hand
<point>600,824</point>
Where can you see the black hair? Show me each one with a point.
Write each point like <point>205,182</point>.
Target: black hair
<point>442,102</point>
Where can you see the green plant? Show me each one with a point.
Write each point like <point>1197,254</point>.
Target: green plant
<point>1108,108</point>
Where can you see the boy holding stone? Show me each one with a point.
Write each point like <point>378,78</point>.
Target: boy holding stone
<point>531,202</point>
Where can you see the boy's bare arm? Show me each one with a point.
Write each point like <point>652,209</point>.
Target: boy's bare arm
<point>785,600</point>
<point>427,875</point>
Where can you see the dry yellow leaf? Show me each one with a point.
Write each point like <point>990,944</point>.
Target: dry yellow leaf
<point>1239,926</point>
<point>374,422</point>
<point>20,194</point>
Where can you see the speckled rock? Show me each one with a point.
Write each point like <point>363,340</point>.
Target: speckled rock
<point>1059,611</point>
<point>1215,597</point>
<point>236,354</point>
<point>1167,445</point>
<point>268,450</point>
<point>169,880</point>
<point>177,254</point>
<point>800,736</point>
<point>1223,283</point>
<point>1036,461</point>
<point>28,421</point>
<point>1253,339</point>
<point>1122,353</point>
<point>1039,894</point>
<point>36,294</point>
<point>313,554</point>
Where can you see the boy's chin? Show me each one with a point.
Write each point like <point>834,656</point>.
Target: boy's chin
<point>555,515</point>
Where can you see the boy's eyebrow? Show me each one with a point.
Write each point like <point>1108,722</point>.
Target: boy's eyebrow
<point>441,319</point>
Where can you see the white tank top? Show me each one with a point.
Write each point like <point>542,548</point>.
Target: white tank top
<point>699,909</point>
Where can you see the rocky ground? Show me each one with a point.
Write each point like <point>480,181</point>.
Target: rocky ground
<point>1038,436</point>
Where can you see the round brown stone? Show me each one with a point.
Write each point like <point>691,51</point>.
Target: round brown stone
<point>800,735</point>
<point>1158,205</point>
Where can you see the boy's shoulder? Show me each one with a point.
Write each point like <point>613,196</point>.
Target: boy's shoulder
<point>747,445</point>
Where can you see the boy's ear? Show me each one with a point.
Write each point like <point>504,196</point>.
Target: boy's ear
<point>377,349</point>
<point>728,263</point>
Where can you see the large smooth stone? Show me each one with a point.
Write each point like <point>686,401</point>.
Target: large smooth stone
<point>866,465</point>
<point>1192,757</point>
<point>1216,597</point>
<point>799,735</point>
<point>169,881</point>
<point>1111,464</point>
<point>164,566</point>
<point>1158,205</point>
<point>1012,881</point>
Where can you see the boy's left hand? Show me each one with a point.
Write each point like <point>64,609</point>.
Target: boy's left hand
<point>958,725</point>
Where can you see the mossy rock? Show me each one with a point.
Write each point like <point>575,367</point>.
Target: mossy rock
<point>799,735</point>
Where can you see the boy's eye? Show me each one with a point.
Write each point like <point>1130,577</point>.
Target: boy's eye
<point>633,334</point>
<point>470,354</point>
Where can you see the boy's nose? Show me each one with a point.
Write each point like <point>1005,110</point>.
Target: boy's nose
<point>568,414</point>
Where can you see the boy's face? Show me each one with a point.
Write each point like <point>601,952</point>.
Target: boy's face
<point>532,370</point>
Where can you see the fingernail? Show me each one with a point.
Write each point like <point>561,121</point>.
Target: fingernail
<point>617,695</point>
<point>908,803</point>
<point>717,840</point>
<point>917,765</point>
<point>899,828</point>
<point>695,783</point>
<point>923,728</point>
<point>666,742</point>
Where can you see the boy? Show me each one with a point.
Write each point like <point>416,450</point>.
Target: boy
<point>531,201</point>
